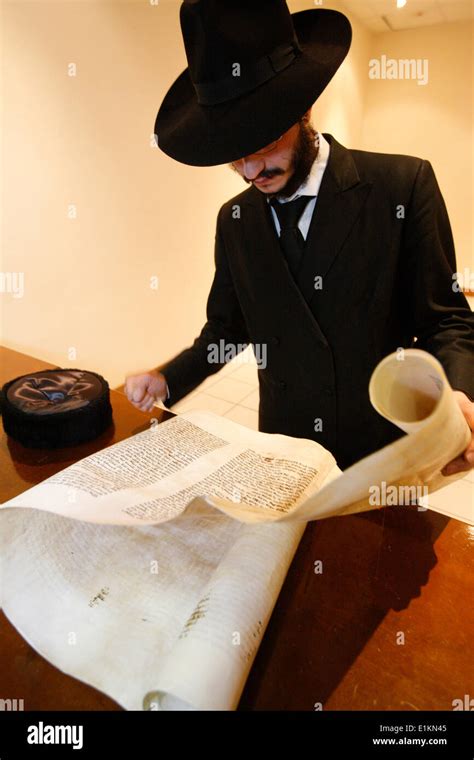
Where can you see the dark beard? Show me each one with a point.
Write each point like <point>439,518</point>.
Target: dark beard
<point>305,153</point>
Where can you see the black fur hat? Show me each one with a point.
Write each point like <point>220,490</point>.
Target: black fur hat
<point>56,408</point>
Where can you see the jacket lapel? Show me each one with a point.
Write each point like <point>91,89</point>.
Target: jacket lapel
<point>340,200</point>
<point>267,265</point>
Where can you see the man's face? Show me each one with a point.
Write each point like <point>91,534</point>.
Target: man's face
<point>270,171</point>
<point>281,170</point>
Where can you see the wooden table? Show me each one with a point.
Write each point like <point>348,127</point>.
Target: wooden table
<point>387,625</point>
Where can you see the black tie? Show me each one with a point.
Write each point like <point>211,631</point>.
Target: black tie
<point>291,240</point>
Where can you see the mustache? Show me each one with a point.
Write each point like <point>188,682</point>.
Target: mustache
<point>266,174</point>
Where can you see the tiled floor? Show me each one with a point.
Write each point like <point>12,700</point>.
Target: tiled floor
<point>233,392</point>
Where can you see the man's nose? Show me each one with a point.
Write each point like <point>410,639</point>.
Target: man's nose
<point>252,166</point>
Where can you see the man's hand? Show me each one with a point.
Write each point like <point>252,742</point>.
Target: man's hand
<point>146,388</point>
<point>465,461</point>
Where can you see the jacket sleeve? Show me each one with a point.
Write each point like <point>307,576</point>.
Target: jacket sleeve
<point>439,314</point>
<point>225,325</point>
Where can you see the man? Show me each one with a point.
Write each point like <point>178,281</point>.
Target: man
<point>332,258</point>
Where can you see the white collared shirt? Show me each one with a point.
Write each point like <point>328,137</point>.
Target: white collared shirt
<point>309,187</point>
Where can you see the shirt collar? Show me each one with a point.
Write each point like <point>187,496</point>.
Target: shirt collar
<point>313,182</point>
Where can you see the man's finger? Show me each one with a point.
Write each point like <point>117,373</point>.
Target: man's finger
<point>147,403</point>
<point>138,395</point>
<point>456,465</point>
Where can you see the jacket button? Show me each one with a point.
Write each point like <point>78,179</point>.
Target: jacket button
<point>282,384</point>
<point>328,390</point>
<point>275,340</point>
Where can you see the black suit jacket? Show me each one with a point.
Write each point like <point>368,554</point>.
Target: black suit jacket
<point>381,240</point>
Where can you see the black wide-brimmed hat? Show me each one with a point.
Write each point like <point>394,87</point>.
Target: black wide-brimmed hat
<point>253,70</point>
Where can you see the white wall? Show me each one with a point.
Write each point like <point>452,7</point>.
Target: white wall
<point>433,121</point>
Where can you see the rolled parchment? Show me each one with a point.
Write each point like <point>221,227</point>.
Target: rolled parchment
<point>410,389</point>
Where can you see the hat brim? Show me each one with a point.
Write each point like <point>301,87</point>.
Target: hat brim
<point>210,135</point>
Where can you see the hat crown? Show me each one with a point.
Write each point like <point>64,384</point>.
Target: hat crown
<point>226,40</point>
<point>253,70</point>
